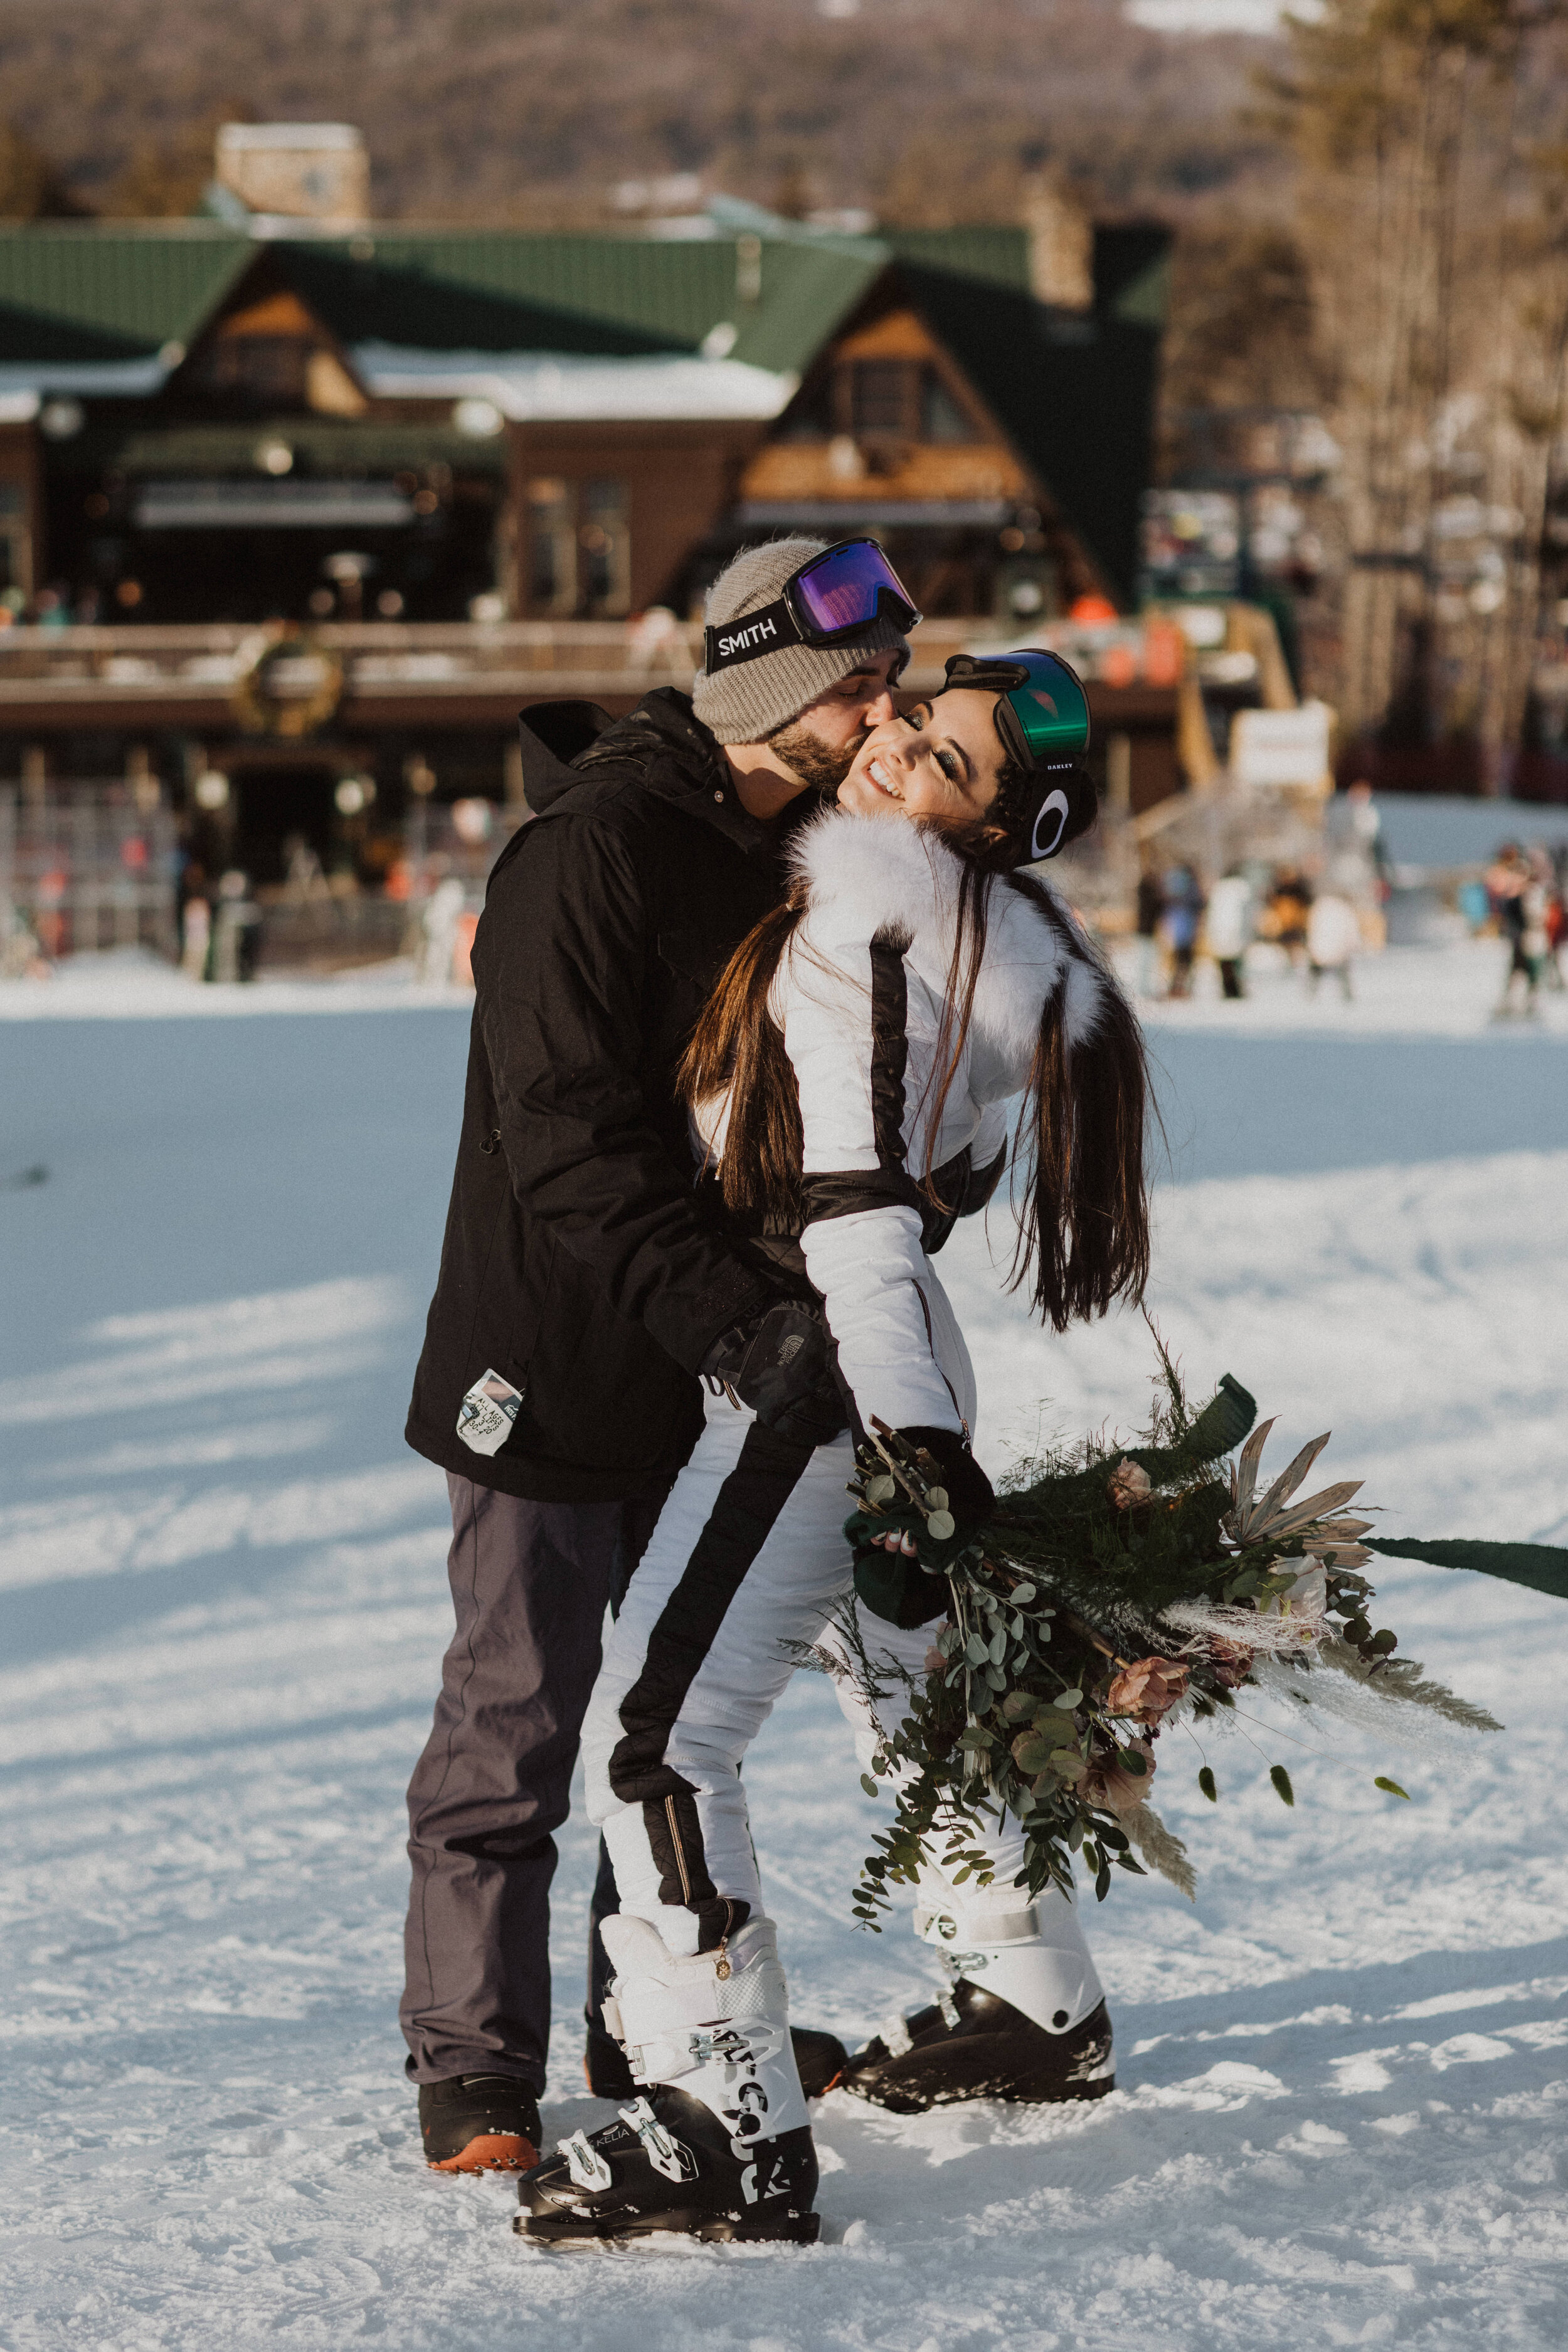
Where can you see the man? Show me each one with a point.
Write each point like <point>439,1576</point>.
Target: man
<point>582,1293</point>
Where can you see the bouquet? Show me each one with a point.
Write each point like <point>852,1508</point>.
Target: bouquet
<point>1114,1595</point>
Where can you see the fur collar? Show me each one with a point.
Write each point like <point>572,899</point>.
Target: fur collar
<point>863,875</point>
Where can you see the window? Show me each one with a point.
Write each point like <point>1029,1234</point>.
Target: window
<point>880,396</point>
<point>551,548</point>
<point>579,540</point>
<point>15,569</point>
<point>941,419</point>
<point>264,371</point>
<point>604,545</point>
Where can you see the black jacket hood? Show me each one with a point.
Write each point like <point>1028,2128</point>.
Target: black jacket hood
<point>563,742</point>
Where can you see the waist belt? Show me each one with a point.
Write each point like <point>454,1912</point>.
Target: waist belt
<point>963,1188</point>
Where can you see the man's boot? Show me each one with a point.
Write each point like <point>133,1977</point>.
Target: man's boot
<point>1025,2019</point>
<point>479,2122</point>
<point>718,2146</point>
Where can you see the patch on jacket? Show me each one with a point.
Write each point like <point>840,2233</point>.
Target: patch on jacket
<point>487,1413</point>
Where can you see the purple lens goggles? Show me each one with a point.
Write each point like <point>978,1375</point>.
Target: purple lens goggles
<point>830,600</point>
<point>844,589</point>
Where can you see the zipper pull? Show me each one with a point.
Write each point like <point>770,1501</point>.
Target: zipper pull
<point>492,1140</point>
<point>721,1965</point>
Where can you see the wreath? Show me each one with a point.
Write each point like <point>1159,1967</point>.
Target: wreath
<point>253,696</point>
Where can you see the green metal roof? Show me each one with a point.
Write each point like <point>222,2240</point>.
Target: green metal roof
<point>448,290</point>
<point>83,293</point>
<point>998,255</point>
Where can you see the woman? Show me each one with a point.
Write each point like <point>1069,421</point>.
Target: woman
<point>846,1085</point>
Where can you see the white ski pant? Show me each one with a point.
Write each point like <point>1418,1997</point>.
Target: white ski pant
<point>748,1557</point>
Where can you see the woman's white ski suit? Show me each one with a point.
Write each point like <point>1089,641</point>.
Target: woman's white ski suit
<point>748,1555</point>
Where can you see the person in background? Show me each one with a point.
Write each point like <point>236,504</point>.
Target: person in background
<point>1333,935</point>
<point>1548,869</point>
<point>236,930</point>
<point>1520,902</point>
<point>195,922</point>
<point>1290,902</point>
<point>1148,928</point>
<point>1228,927</point>
<point>1181,911</point>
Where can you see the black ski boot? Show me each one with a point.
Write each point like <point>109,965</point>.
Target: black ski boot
<point>820,2060</point>
<point>479,2122</point>
<point>972,2044</point>
<point>669,2168</point>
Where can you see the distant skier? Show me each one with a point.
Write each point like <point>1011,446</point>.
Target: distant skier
<point>1333,936</point>
<point>1521,895</point>
<point>1182,906</point>
<point>1227,928</point>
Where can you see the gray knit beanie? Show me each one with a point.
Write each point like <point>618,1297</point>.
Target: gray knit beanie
<point>750,701</point>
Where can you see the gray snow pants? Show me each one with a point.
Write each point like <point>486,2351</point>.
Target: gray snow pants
<point>530,1583</point>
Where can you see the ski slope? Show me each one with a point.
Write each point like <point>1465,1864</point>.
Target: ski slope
<point>1342,2116</point>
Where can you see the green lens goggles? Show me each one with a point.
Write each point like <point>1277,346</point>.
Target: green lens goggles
<point>1042,711</point>
<point>1042,717</point>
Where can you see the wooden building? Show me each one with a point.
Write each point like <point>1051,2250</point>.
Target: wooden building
<point>423,437</point>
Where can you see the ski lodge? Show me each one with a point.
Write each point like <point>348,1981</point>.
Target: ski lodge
<point>289,496</point>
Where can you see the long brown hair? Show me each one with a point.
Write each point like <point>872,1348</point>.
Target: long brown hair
<point>1083,1219</point>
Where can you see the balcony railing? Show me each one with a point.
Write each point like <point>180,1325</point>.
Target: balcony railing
<point>164,673</point>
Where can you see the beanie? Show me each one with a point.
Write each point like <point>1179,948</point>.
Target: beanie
<point>751,700</point>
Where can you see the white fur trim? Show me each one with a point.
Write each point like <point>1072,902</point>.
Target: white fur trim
<point>867,873</point>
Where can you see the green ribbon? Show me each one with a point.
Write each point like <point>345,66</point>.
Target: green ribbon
<point>1543,1566</point>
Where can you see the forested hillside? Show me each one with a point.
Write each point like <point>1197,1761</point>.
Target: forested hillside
<point>519,109</point>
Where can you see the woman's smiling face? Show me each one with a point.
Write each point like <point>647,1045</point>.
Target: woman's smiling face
<point>943,759</point>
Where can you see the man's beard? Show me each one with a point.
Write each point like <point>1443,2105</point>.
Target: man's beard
<point>821,766</point>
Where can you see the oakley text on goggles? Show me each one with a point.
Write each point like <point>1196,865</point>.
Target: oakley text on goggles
<point>830,600</point>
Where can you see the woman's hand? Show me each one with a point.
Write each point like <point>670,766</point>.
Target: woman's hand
<point>898,1559</point>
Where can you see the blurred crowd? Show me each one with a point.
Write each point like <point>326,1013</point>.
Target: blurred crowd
<point>1320,922</point>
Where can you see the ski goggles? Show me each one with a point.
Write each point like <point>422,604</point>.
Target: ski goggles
<point>830,600</point>
<point>1042,719</point>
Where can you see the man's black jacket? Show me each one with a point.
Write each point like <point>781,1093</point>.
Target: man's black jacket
<point>577,1262</point>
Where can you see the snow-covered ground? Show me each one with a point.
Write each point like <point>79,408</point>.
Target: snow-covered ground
<point>1344,2107</point>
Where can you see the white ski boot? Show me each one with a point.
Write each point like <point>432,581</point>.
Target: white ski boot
<point>1024,2019</point>
<point>717,2147</point>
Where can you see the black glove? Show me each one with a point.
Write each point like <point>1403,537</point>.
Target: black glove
<point>780,1364</point>
<point>908,1588</point>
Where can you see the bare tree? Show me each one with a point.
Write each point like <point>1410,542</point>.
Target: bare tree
<point>1442,330</point>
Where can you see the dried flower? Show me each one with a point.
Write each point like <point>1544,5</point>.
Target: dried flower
<point>1230,1663</point>
<point>1130,1483</point>
<point>1146,1689</point>
<point>1272,1517</point>
<point>1306,1596</point>
<point>1114,1788</point>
